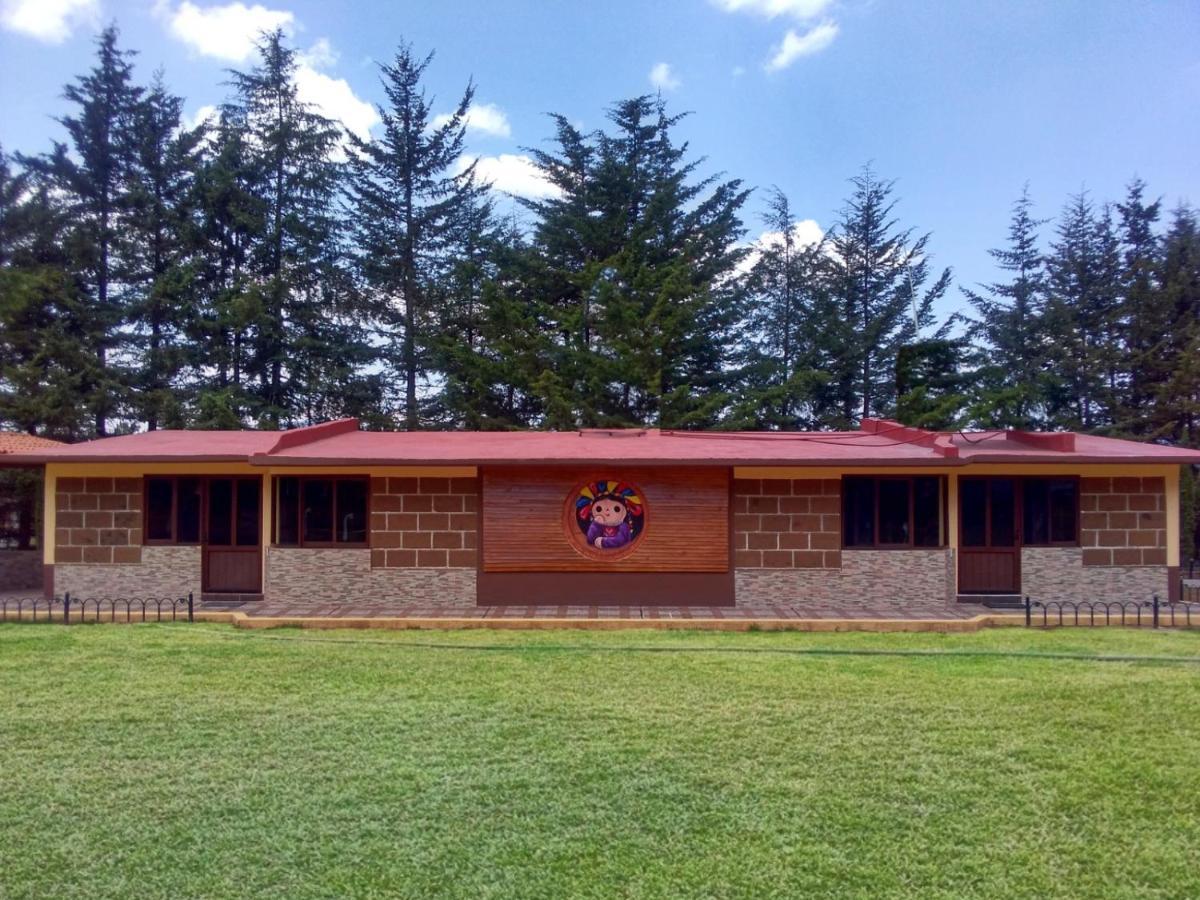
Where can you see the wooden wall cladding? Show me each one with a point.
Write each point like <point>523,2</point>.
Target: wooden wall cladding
<point>687,523</point>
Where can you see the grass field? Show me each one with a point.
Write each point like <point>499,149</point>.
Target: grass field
<point>200,761</point>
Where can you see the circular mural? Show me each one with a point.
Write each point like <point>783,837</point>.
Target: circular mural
<point>606,517</point>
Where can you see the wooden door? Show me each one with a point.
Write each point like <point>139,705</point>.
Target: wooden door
<point>232,546</point>
<point>989,539</point>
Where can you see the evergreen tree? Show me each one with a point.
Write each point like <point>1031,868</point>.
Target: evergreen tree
<point>91,173</point>
<point>231,223</point>
<point>47,352</point>
<point>636,262</point>
<point>876,287</point>
<point>1082,324</point>
<point>1008,330</point>
<point>418,225</point>
<point>1145,311</point>
<point>309,349</point>
<point>1176,407</point>
<point>785,286</point>
<point>157,243</point>
<point>930,384</point>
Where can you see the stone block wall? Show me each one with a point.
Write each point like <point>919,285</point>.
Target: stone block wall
<point>98,521</point>
<point>1123,522</point>
<point>424,523</point>
<point>20,569</point>
<point>918,577</point>
<point>315,578</point>
<point>787,523</point>
<point>159,572</point>
<point>1060,573</point>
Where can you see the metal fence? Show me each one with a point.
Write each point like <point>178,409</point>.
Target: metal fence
<point>73,610</point>
<point>1152,613</point>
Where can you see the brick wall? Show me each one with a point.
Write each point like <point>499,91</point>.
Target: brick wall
<point>1060,573</point>
<point>425,523</point>
<point>787,523</point>
<point>912,578</point>
<point>1123,521</point>
<point>20,569</point>
<point>311,579</point>
<point>159,572</point>
<point>98,521</point>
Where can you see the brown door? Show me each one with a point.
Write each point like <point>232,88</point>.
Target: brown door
<point>232,529</point>
<point>989,541</point>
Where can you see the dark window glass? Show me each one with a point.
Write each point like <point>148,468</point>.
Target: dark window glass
<point>927,512</point>
<point>858,512</point>
<point>1036,524</point>
<point>1004,498</point>
<point>288,513</point>
<point>893,510</point>
<point>1063,504</point>
<point>352,512</point>
<point>317,517</point>
<point>188,501</point>
<point>159,501</point>
<point>247,513</point>
<point>220,511</point>
<point>974,512</point>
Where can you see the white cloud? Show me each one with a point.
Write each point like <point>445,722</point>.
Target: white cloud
<point>511,173</point>
<point>229,33</point>
<point>335,99</point>
<point>206,113</point>
<point>49,21</point>
<point>320,55</point>
<point>800,10</point>
<point>664,78</point>
<point>805,233</point>
<point>485,118</point>
<point>796,45</point>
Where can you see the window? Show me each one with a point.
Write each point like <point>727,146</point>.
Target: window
<point>893,512</point>
<point>1050,511</point>
<point>321,512</point>
<point>173,510</point>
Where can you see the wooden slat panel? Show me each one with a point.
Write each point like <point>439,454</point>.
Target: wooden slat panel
<point>687,520</point>
<point>233,570</point>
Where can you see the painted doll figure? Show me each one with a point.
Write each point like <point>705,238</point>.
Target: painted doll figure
<point>610,514</point>
<point>609,529</point>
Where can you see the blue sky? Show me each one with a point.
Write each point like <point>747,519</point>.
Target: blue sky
<point>960,102</point>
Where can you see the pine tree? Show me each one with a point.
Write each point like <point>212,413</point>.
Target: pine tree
<point>157,243</point>
<point>309,348</point>
<point>637,262</point>
<point>785,286</point>
<point>876,285</point>
<point>92,173</point>
<point>1082,319</point>
<point>1176,408</point>
<point>1008,330</point>
<point>1144,309</point>
<point>418,223</point>
<point>47,352</point>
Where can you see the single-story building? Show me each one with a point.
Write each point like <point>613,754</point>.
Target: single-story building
<point>329,513</point>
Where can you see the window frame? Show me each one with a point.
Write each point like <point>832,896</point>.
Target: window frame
<point>172,541</point>
<point>1023,538</point>
<point>301,543</point>
<point>943,513</point>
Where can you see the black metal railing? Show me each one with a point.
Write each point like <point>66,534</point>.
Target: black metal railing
<point>72,610</point>
<point>1152,613</point>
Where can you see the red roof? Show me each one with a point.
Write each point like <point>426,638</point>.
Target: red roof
<point>20,442</point>
<point>879,442</point>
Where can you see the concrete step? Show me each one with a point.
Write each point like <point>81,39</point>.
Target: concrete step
<point>994,601</point>
<point>217,601</point>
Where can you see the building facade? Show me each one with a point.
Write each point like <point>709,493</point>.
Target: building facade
<point>330,514</point>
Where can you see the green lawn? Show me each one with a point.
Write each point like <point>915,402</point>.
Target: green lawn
<point>201,761</point>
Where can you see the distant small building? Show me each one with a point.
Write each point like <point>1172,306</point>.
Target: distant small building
<point>330,514</point>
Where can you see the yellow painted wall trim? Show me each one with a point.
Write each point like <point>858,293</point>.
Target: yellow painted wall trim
<point>49,516</point>
<point>1173,516</point>
<point>134,469</point>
